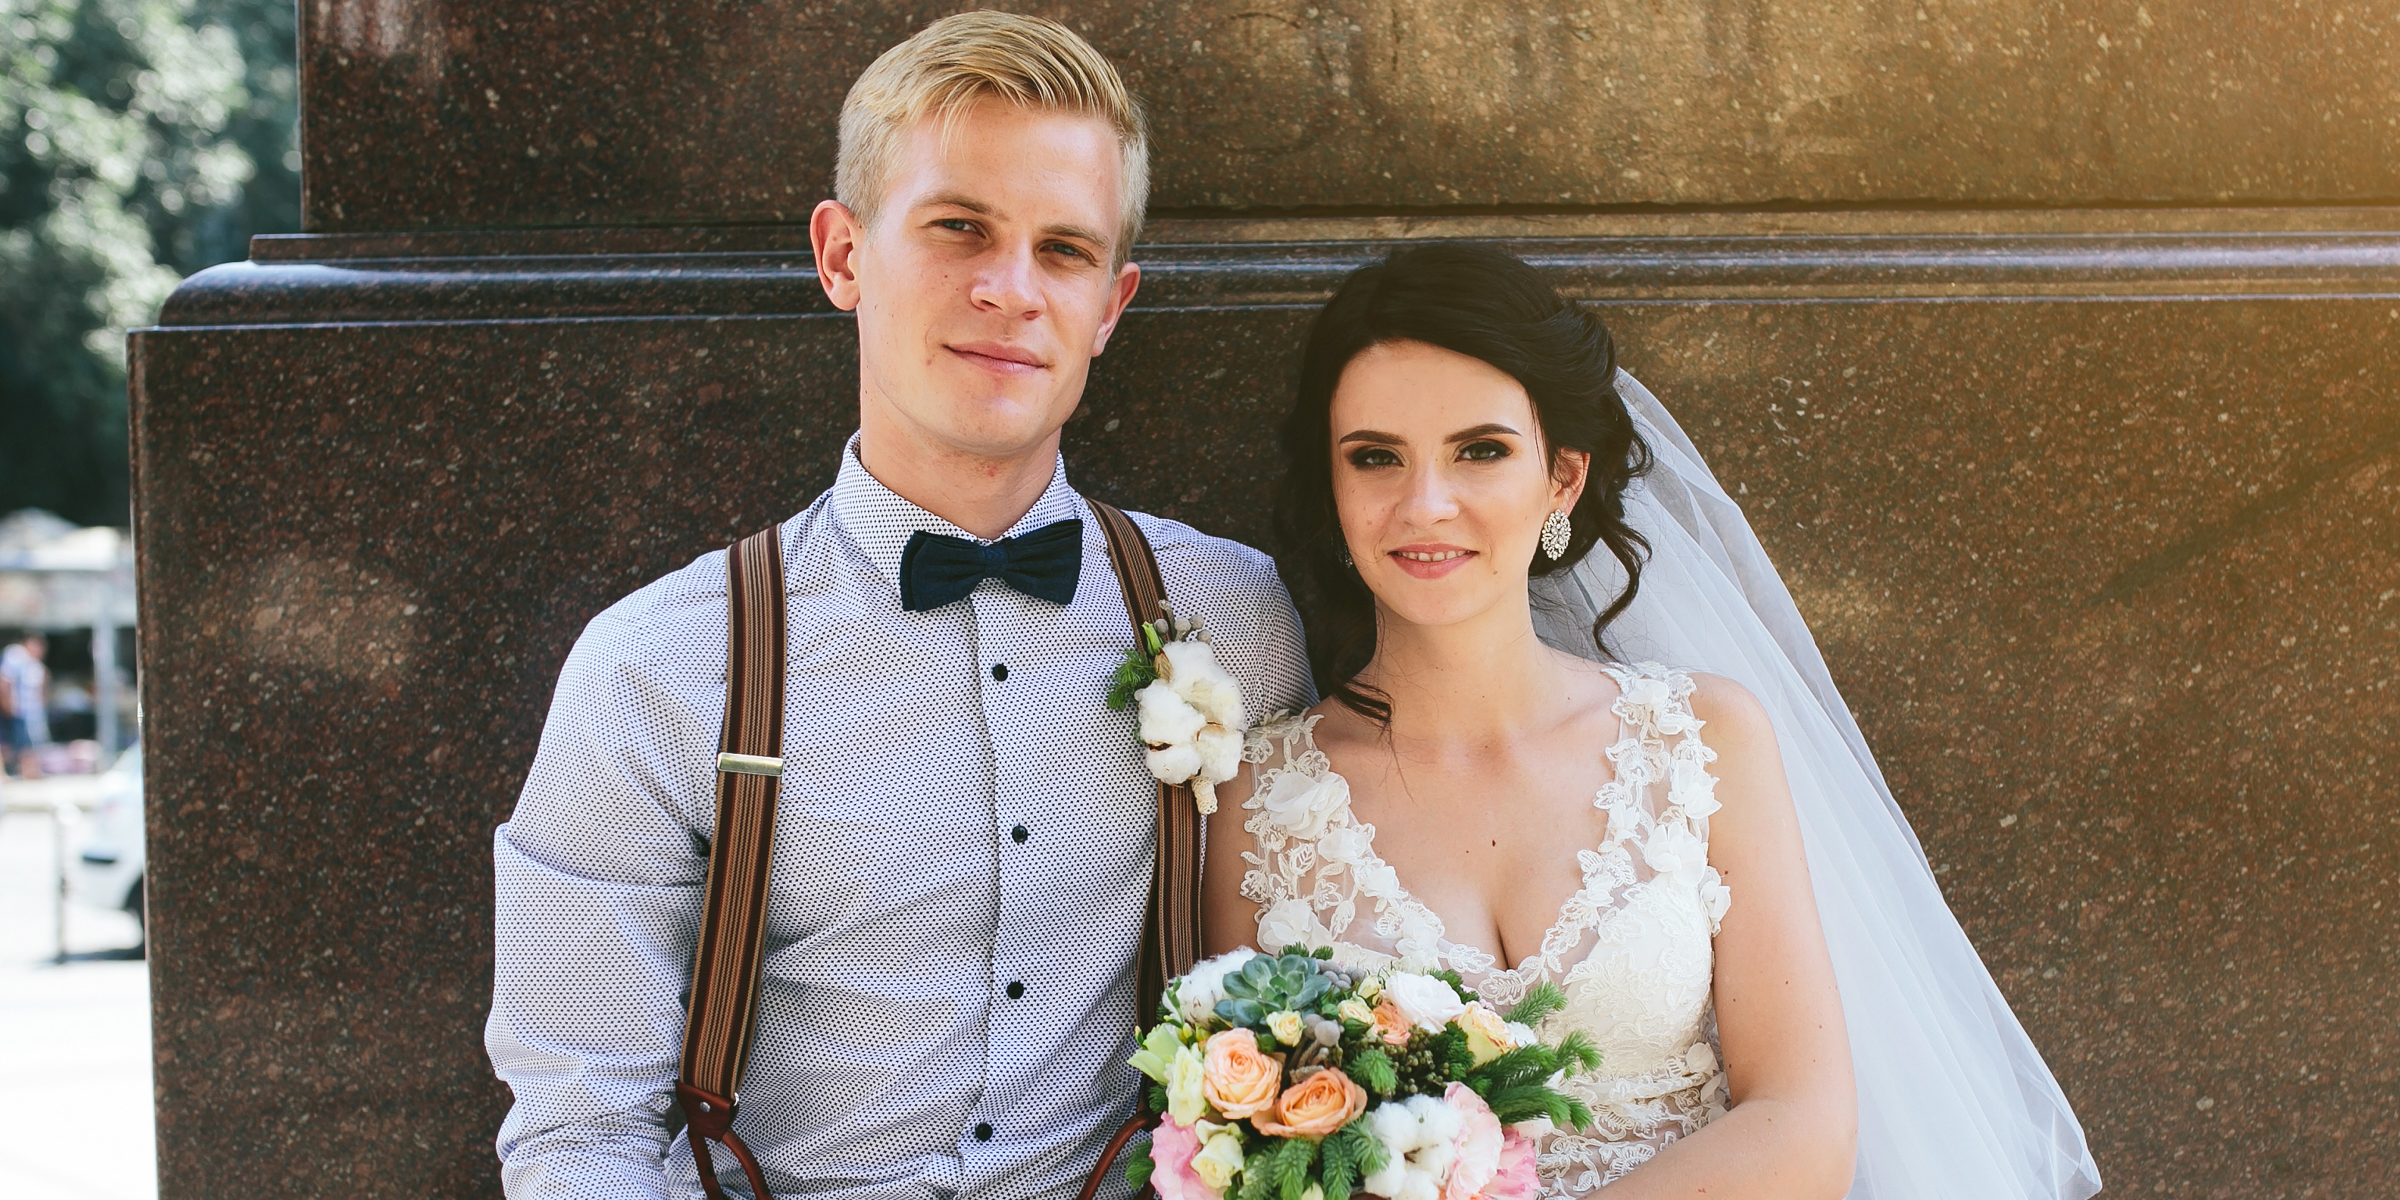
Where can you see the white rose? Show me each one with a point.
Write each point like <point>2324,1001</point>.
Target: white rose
<point>1197,993</point>
<point>1522,1035</point>
<point>1427,1002</point>
<point>1301,806</point>
<point>1166,720</point>
<point>1290,924</point>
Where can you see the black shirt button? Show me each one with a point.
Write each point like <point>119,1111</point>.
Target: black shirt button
<point>1000,672</point>
<point>1020,833</point>
<point>983,1131</point>
<point>1016,991</point>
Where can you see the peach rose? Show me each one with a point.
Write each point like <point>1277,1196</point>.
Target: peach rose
<point>1315,1106</point>
<point>1236,1077</point>
<point>1393,1024</point>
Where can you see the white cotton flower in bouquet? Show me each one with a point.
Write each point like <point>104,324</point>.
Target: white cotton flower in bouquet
<point>1191,717</point>
<point>1197,993</point>
<point>1419,1136</point>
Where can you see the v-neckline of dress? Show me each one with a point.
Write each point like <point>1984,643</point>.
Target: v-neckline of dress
<point>1474,961</point>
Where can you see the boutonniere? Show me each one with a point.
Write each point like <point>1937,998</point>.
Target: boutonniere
<point>1188,708</point>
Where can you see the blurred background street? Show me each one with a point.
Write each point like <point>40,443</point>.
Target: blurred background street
<point>140,141</point>
<point>75,1119</point>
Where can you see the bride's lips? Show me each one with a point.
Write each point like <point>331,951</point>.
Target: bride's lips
<point>999,358</point>
<point>1430,560</point>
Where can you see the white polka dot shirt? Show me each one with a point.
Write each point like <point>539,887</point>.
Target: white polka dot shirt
<point>962,856</point>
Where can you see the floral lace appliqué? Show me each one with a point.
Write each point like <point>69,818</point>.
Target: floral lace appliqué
<point>1631,947</point>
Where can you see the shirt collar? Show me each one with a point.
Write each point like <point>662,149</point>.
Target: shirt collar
<point>879,521</point>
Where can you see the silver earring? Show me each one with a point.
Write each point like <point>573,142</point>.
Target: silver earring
<point>1346,557</point>
<point>1555,529</point>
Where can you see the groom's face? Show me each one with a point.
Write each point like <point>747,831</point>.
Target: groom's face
<point>988,281</point>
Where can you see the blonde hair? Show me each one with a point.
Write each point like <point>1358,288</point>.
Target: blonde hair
<point>1028,61</point>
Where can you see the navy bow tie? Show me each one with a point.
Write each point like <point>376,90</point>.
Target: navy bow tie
<point>937,568</point>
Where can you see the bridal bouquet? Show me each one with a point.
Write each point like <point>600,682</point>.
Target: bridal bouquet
<point>1286,1078</point>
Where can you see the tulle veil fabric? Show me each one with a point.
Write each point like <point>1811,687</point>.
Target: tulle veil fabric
<point>1954,1101</point>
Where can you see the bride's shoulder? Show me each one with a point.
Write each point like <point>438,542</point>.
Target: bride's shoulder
<point>1730,719</point>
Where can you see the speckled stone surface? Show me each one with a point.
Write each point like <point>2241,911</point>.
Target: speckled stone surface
<point>711,111</point>
<point>2054,350</point>
<point>2110,582</point>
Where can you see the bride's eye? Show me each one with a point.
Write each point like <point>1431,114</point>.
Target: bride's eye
<point>1483,451</point>
<point>1373,456</point>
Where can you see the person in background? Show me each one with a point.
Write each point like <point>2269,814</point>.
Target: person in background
<point>24,713</point>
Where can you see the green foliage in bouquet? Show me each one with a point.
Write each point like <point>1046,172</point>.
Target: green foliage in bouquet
<point>1347,1157</point>
<point>1374,1071</point>
<point>1266,985</point>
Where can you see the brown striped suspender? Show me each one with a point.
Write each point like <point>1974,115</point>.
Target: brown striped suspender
<point>723,1010</point>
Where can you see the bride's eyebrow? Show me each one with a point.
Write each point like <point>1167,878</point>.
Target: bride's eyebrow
<point>1486,429</point>
<point>1372,437</point>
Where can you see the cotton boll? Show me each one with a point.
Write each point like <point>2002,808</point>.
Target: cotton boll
<point>1166,719</point>
<point>1220,752</point>
<point>1397,1128</point>
<point>1196,676</point>
<point>1440,1121</point>
<point>1172,762</point>
<point>1219,698</point>
<point>1388,1181</point>
<point>1419,1185</point>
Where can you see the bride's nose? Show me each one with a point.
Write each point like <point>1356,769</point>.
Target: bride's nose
<point>1429,500</point>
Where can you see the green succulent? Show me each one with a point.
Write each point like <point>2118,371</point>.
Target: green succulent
<point>1269,985</point>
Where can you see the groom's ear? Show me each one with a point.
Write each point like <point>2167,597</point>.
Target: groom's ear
<point>1129,278</point>
<point>834,232</point>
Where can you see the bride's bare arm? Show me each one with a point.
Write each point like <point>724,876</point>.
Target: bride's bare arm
<point>1793,1128</point>
<point>1228,921</point>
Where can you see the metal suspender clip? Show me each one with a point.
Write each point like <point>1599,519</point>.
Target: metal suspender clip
<point>749,764</point>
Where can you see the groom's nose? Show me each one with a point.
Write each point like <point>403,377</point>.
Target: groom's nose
<point>1007,282</point>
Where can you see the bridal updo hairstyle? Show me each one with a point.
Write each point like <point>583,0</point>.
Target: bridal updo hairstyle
<point>1480,302</point>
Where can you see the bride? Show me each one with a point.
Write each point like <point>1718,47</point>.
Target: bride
<point>1496,539</point>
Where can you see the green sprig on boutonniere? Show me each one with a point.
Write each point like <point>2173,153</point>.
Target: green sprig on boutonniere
<point>1136,672</point>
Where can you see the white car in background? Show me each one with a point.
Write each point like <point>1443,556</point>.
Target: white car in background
<point>107,867</point>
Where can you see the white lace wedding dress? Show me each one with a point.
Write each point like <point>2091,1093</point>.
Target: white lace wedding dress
<point>1631,949</point>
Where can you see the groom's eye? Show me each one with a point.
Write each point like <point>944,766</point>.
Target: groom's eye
<point>1482,451</point>
<point>1373,456</point>
<point>1070,251</point>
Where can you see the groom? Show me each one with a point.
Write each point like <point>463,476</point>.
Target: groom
<point>963,841</point>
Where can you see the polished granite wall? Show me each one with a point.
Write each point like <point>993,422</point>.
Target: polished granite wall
<point>2093,505</point>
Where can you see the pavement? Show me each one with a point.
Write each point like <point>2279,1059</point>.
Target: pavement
<point>79,1028</point>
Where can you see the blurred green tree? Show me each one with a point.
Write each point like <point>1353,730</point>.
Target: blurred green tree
<point>140,140</point>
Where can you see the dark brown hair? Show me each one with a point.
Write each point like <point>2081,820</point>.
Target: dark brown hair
<point>1480,302</point>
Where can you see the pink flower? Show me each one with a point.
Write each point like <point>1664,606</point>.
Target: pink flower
<point>1515,1179</point>
<point>1171,1149</point>
<point>1479,1141</point>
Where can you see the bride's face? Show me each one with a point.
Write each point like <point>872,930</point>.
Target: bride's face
<point>1442,481</point>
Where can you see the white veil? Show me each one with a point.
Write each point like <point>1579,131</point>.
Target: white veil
<point>1953,1099</point>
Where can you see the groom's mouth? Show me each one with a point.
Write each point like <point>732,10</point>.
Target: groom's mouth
<point>999,358</point>
<point>1430,562</point>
